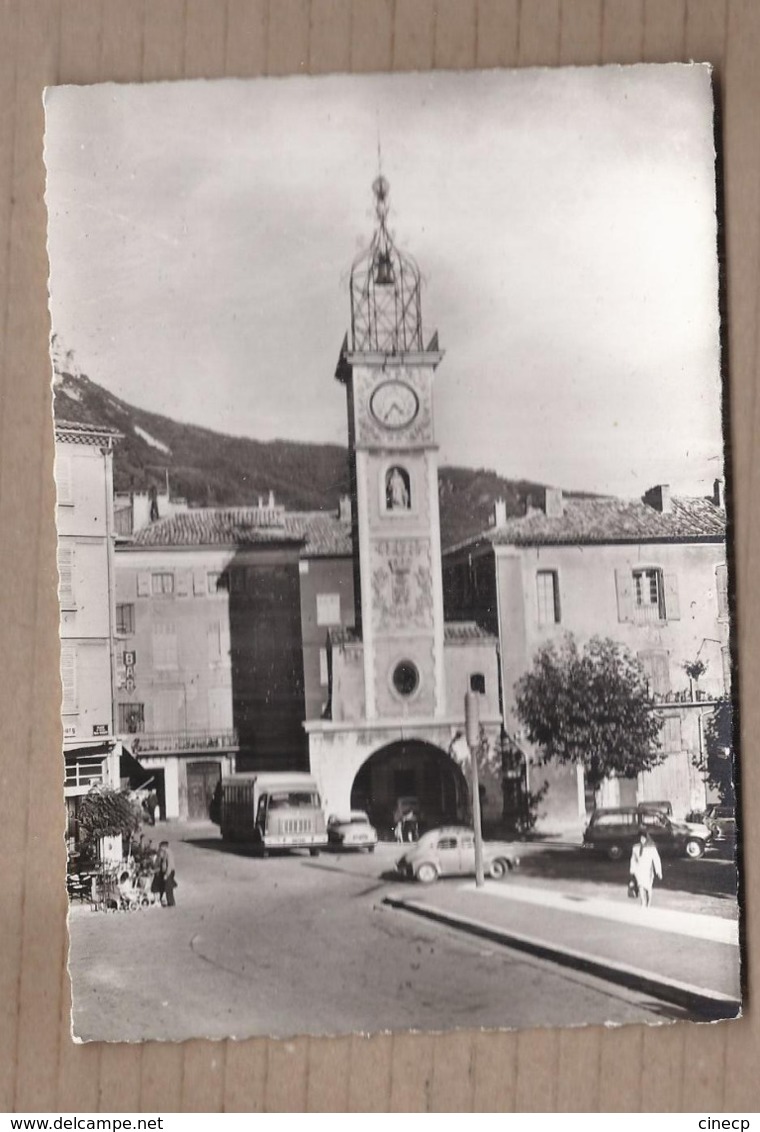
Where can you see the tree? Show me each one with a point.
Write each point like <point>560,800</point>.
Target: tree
<point>716,760</point>
<point>106,812</point>
<point>590,707</point>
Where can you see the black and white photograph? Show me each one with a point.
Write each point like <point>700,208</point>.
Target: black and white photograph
<point>394,564</point>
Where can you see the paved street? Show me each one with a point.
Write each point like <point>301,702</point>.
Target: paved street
<point>299,945</point>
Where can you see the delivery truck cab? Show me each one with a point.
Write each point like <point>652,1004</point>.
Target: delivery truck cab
<point>271,811</point>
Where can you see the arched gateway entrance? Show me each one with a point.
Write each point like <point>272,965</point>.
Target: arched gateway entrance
<point>410,769</point>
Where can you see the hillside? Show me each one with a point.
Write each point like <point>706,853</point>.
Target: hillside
<point>212,469</point>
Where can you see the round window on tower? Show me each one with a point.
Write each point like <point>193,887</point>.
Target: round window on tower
<point>406,678</point>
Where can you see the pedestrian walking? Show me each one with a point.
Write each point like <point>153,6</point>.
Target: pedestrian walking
<point>166,880</point>
<point>153,807</point>
<point>645,866</point>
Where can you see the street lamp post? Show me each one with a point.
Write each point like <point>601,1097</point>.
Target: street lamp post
<point>472,731</point>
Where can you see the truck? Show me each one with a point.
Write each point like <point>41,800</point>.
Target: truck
<point>271,810</point>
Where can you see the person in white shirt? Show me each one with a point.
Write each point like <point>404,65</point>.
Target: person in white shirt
<point>645,866</point>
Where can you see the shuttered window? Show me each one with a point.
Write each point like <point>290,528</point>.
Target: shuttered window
<point>143,584</point>
<point>69,705</point>
<point>547,596</point>
<point>324,672</point>
<point>671,734</point>
<point>125,619</point>
<point>725,656</point>
<point>647,594</point>
<point>656,665</point>
<point>721,585</point>
<point>162,585</point>
<point>66,594</point>
<point>64,479</point>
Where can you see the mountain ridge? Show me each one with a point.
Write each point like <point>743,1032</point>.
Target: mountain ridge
<point>211,468</point>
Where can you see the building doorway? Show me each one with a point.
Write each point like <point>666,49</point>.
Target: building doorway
<point>414,771</point>
<point>202,780</point>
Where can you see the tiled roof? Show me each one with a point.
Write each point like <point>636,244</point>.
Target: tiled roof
<point>321,533</point>
<point>585,521</point>
<point>75,432</point>
<point>464,632</point>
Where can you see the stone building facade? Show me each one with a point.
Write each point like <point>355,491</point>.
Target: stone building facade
<point>84,478</point>
<point>652,575</point>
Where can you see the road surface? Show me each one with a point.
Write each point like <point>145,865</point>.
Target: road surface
<point>296,945</point>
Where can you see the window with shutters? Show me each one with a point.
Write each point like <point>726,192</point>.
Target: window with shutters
<point>64,479</point>
<point>328,609</point>
<point>721,585</point>
<point>70,705</point>
<point>324,671</point>
<point>66,594</point>
<point>125,619</point>
<point>725,656</point>
<point>162,585</point>
<point>648,595</point>
<point>131,718</point>
<point>670,736</point>
<point>547,596</point>
<point>656,665</point>
<point>164,646</point>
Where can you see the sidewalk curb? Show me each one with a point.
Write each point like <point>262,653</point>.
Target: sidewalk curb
<point>711,1005</point>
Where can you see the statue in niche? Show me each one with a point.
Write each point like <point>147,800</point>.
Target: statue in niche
<point>397,496</point>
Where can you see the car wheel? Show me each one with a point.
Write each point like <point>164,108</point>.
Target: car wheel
<point>615,852</point>
<point>370,848</point>
<point>426,874</point>
<point>694,849</point>
<point>314,852</point>
<point>498,868</point>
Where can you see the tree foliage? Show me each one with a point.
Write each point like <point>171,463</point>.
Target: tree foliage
<point>591,707</point>
<point>106,812</point>
<point>716,761</point>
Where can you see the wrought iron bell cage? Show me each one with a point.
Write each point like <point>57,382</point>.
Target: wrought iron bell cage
<point>386,313</point>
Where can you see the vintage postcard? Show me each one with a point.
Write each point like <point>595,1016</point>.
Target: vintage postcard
<point>395,592</point>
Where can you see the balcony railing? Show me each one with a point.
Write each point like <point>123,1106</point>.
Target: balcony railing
<point>180,742</point>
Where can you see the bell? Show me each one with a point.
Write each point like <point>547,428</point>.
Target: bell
<point>384,271</point>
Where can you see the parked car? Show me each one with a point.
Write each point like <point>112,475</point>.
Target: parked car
<point>662,807</point>
<point>614,831</point>
<point>353,831</point>
<point>720,820</point>
<point>450,851</point>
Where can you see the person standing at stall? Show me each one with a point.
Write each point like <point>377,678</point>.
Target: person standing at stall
<point>166,874</point>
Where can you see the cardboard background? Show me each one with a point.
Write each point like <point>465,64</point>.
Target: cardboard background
<point>680,1067</point>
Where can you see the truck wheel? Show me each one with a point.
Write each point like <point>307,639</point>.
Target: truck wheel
<point>314,852</point>
<point>498,869</point>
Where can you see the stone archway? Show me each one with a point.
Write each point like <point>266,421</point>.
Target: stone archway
<point>410,768</point>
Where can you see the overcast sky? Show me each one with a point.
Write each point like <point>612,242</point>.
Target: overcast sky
<point>201,235</point>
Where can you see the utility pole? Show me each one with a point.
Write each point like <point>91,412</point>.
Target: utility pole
<point>472,731</point>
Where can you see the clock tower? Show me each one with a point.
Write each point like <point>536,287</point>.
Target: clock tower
<point>389,377</point>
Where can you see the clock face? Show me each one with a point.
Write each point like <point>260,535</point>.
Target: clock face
<point>394,404</point>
